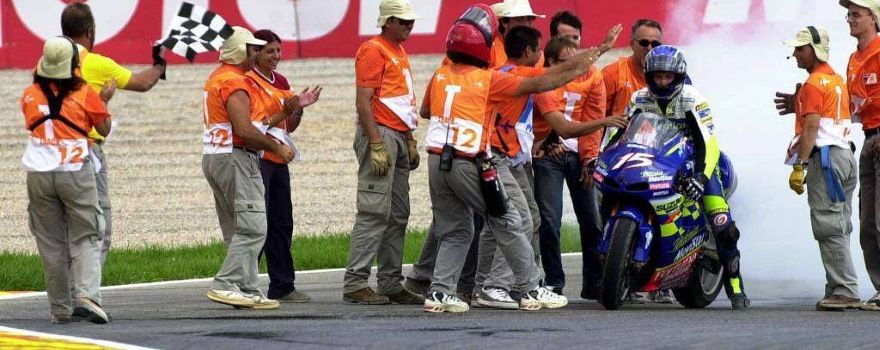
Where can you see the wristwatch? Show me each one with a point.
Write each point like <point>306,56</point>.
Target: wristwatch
<point>802,163</point>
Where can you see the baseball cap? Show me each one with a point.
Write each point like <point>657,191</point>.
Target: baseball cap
<point>234,48</point>
<point>57,59</point>
<point>518,8</point>
<point>873,5</point>
<point>813,36</point>
<point>396,8</point>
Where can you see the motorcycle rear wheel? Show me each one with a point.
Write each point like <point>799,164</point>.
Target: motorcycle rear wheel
<point>615,273</point>
<point>702,288</point>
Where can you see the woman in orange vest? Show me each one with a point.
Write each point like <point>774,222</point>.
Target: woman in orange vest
<point>276,175</point>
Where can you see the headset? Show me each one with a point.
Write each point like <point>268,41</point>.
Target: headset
<point>815,34</point>
<point>74,62</point>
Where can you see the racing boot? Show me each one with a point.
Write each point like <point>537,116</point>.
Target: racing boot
<point>734,289</point>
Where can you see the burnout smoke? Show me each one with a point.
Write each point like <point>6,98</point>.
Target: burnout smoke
<point>738,64</point>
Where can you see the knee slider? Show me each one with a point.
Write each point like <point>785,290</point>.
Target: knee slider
<point>728,236</point>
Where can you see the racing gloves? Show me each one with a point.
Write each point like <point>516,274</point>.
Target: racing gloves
<point>796,179</point>
<point>413,152</point>
<point>379,159</point>
<point>692,187</point>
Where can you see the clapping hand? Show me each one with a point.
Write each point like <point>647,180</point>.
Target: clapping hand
<point>308,97</point>
<point>107,90</point>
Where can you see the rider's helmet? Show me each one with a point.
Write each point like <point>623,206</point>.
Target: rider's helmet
<point>471,34</point>
<point>665,58</point>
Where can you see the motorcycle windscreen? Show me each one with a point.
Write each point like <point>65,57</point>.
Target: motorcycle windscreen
<point>650,130</point>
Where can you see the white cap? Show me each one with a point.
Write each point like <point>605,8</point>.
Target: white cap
<point>517,8</point>
<point>57,58</point>
<point>396,8</point>
<point>873,5</point>
<point>815,37</point>
<point>498,8</point>
<point>234,48</point>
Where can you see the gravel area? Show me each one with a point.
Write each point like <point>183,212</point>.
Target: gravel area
<point>158,192</point>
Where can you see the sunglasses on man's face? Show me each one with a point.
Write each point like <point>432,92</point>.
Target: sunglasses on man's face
<point>405,23</point>
<point>651,43</point>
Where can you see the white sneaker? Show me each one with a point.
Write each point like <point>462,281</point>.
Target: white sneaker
<point>661,297</point>
<point>872,304</point>
<point>232,298</point>
<point>548,298</point>
<point>496,298</point>
<point>90,311</point>
<point>528,302</point>
<point>439,302</point>
<point>263,303</point>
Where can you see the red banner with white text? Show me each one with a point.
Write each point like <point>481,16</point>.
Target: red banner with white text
<point>319,28</point>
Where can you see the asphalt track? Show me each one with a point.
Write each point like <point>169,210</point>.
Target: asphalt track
<point>179,316</point>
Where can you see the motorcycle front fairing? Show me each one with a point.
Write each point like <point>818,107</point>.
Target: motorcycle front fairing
<point>636,177</point>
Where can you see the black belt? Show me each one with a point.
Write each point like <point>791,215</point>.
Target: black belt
<point>871,132</point>
<point>248,150</point>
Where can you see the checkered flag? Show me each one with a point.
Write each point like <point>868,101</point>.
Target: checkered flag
<point>195,30</point>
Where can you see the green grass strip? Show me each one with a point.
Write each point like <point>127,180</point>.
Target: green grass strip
<point>24,272</point>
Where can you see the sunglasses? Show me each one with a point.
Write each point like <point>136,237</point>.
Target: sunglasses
<point>651,43</point>
<point>405,22</point>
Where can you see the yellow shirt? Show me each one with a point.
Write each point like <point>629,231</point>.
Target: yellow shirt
<point>96,70</point>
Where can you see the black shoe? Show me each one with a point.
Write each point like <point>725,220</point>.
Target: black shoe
<point>590,293</point>
<point>740,301</point>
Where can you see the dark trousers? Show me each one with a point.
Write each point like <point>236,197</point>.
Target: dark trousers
<point>549,177</point>
<point>279,213</point>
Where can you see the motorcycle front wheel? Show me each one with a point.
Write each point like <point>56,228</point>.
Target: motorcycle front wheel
<point>615,273</point>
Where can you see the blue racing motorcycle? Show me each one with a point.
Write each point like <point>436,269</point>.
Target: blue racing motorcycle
<point>654,238</point>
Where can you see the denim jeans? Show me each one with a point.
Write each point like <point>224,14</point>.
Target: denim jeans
<point>549,177</point>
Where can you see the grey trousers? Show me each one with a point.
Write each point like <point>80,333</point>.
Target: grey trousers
<point>831,221</point>
<point>382,216</point>
<point>423,269</point>
<point>66,221</point>
<point>869,209</point>
<point>239,198</point>
<point>103,185</point>
<point>492,268</point>
<point>455,195</point>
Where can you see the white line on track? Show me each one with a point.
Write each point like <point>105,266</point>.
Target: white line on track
<point>170,283</point>
<point>61,338</point>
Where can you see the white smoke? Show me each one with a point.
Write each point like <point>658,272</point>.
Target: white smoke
<point>739,74</point>
<point>739,67</point>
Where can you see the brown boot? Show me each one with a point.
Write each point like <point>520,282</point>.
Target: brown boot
<point>838,303</point>
<point>406,297</point>
<point>365,296</point>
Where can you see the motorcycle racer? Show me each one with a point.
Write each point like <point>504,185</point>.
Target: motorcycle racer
<point>669,94</point>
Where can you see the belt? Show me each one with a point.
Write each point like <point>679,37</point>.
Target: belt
<point>456,154</point>
<point>248,150</point>
<point>815,150</point>
<point>871,132</point>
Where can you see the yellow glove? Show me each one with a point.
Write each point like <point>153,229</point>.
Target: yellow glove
<point>796,179</point>
<point>379,159</point>
<point>413,151</point>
